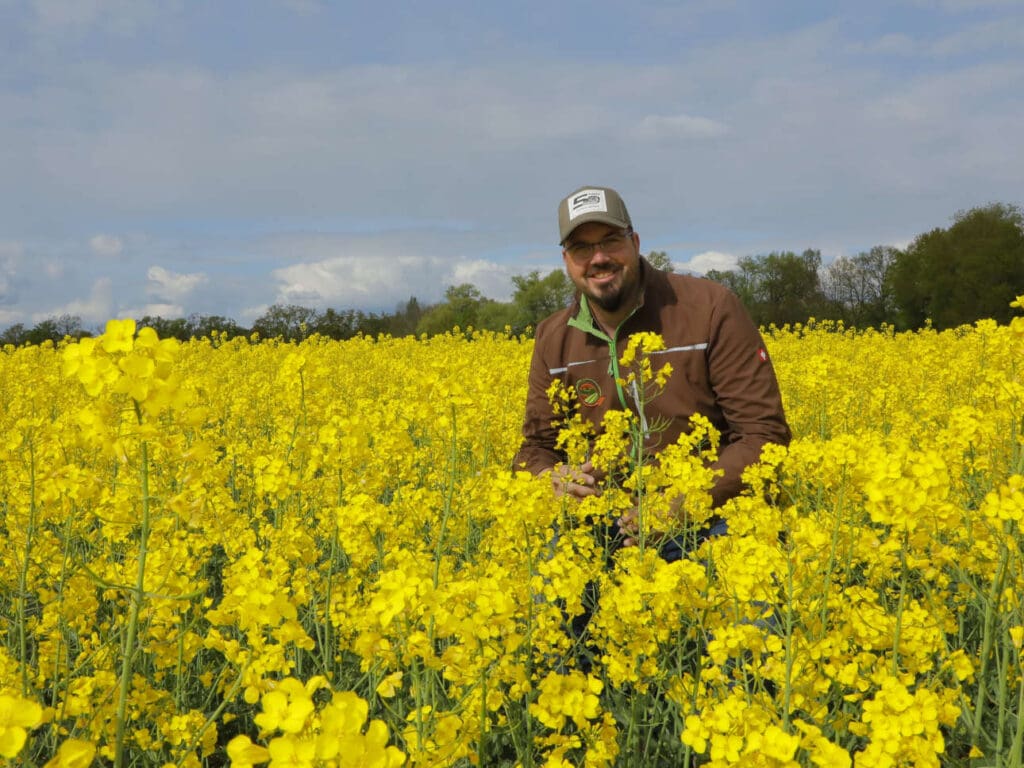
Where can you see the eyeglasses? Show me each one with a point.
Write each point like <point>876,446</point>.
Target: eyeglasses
<point>611,244</point>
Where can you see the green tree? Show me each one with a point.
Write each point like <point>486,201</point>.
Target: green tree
<point>14,334</point>
<point>460,308</point>
<point>497,316</point>
<point>535,297</point>
<point>739,281</point>
<point>972,270</point>
<point>406,318</point>
<point>202,326</point>
<point>779,288</point>
<point>861,288</point>
<point>337,325</point>
<point>166,328</point>
<point>660,260</point>
<point>55,329</point>
<point>290,322</point>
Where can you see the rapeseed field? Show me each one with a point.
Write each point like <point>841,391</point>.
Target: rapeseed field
<point>241,552</point>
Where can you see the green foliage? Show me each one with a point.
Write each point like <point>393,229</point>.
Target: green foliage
<point>290,322</point>
<point>167,328</point>
<point>860,289</point>
<point>970,271</point>
<point>51,329</point>
<point>739,282</point>
<point>460,309</point>
<point>660,260</point>
<point>202,326</point>
<point>536,297</point>
<point>779,288</point>
<point>338,325</point>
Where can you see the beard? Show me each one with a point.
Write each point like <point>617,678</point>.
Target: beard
<point>612,298</point>
<point>608,302</point>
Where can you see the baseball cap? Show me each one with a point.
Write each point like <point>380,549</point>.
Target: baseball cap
<point>591,204</point>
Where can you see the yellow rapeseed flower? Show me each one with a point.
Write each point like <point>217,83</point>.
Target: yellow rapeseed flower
<point>17,715</point>
<point>73,753</point>
<point>244,754</point>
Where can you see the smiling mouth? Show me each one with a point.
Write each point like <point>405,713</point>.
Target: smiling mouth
<point>601,274</point>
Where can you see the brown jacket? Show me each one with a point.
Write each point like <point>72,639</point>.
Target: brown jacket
<point>720,369</point>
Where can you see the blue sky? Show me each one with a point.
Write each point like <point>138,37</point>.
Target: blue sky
<point>176,157</point>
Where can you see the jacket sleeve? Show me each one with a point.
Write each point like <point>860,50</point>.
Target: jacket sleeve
<point>537,451</point>
<point>747,393</point>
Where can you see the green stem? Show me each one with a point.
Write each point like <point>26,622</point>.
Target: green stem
<point>135,606</point>
<point>787,697</point>
<point>23,576</point>
<point>327,639</point>
<point>1003,672</point>
<point>1018,736</point>
<point>988,637</point>
<point>526,752</point>
<point>898,631</point>
<point>449,496</point>
<point>228,698</point>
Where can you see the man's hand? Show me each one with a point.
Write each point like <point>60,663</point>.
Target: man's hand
<point>578,481</point>
<point>629,527</point>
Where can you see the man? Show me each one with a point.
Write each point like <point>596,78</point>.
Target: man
<point>720,366</point>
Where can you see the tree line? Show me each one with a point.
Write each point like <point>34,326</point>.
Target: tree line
<point>946,277</point>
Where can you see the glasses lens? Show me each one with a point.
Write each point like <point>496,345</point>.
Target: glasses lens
<point>580,252</point>
<point>612,242</point>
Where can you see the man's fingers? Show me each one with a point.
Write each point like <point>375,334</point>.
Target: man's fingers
<point>574,481</point>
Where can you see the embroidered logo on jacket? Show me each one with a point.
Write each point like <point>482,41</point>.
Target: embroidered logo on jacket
<point>589,392</point>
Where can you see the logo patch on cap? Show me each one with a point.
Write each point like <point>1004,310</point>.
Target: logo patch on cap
<point>587,201</point>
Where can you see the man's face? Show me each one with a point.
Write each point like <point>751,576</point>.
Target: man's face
<point>607,275</point>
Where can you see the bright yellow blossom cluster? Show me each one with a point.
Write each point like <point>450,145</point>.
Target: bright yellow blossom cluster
<point>305,737</point>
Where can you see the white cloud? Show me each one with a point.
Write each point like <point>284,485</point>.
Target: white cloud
<point>385,281</point>
<point>706,261</point>
<point>494,281</point>
<point>97,308</point>
<point>171,286</point>
<point>249,314</point>
<point>346,281</point>
<point>106,246</point>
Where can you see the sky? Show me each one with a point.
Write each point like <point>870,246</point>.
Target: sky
<point>181,157</point>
